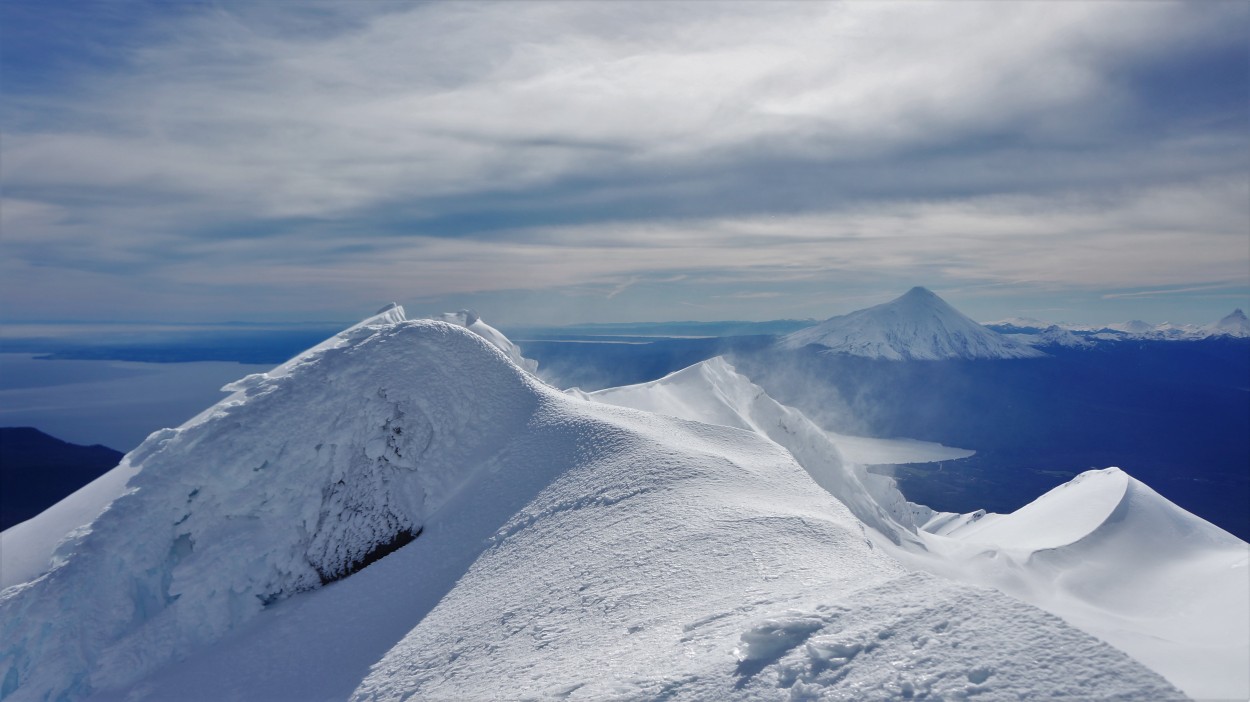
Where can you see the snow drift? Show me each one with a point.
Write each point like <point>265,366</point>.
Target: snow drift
<point>1115,558</point>
<point>917,326</point>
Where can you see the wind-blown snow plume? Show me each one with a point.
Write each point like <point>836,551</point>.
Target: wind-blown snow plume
<point>714,392</point>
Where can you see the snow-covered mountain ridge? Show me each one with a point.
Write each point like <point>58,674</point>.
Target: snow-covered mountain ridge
<point>715,393</point>
<point>555,548</point>
<point>300,478</point>
<point>1234,325</point>
<point>917,326</point>
<point>1103,551</point>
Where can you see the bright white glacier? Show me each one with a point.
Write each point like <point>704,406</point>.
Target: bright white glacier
<point>917,326</point>
<point>547,547</point>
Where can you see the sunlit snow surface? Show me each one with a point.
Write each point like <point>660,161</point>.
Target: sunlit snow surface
<point>1104,551</point>
<point>563,548</point>
<point>1113,557</point>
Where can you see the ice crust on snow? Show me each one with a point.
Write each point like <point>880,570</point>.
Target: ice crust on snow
<point>565,548</point>
<point>917,326</point>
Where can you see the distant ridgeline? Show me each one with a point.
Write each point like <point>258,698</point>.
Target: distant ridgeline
<point>37,471</point>
<point>241,344</point>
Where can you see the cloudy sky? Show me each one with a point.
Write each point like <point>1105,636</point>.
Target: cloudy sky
<point>567,162</point>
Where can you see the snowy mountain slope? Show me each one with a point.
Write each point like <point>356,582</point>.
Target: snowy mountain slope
<point>26,549</point>
<point>714,392</point>
<point>1052,335</point>
<point>1133,326</point>
<point>1113,557</point>
<point>471,321</point>
<point>560,547</point>
<point>917,326</point>
<point>1179,605</point>
<point>298,479</point>
<point>1234,324</point>
<point>1018,324</point>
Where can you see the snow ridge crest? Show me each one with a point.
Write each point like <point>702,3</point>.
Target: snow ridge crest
<point>299,478</point>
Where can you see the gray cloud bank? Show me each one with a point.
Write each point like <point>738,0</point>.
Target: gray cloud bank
<point>313,158</point>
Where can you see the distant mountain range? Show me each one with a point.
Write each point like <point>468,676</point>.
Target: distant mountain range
<point>1234,325</point>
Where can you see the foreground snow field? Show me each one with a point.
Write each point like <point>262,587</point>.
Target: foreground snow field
<point>1104,551</point>
<point>541,546</point>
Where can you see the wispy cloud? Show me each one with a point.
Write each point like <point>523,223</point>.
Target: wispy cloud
<point>1174,291</point>
<point>321,156</point>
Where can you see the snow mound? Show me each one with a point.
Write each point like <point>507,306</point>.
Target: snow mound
<point>1113,557</point>
<point>917,326</point>
<point>471,321</point>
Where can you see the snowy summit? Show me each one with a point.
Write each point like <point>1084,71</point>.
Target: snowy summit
<point>402,512</point>
<point>917,326</point>
<point>1234,324</point>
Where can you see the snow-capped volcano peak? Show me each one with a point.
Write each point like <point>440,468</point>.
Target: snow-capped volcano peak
<point>917,326</point>
<point>1234,324</point>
